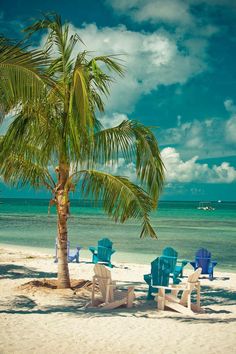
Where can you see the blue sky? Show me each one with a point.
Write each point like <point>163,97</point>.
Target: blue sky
<point>181,77</point>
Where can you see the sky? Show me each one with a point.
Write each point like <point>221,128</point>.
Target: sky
<point>180,77</point>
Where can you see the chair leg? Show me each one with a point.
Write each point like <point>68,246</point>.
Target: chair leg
<point>130,297</point>
<point>161,299</point>
<point>198,296</point>
<point>189,301</point>
<point>149,295</point>
<point>93,293</point>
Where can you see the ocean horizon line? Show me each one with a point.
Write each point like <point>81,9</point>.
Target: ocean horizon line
<point>92,200</point>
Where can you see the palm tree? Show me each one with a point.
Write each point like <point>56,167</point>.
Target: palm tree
<point>59,143</point>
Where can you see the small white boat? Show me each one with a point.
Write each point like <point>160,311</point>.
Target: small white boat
<point>205,206</point>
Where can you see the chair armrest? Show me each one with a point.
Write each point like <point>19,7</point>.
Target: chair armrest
<point>147,278</point>
<point>184,262</point>
<point>162,287</point>
<point>92,249</point>
<point>176,280</point>
<point>214,263</point>
<point>113,251</point>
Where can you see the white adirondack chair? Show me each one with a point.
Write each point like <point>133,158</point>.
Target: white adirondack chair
<point>183,304</point>
<point>111,296</point>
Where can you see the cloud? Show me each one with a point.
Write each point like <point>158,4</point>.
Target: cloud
<point>109,121</point>
<point>212,137</point>
<point>121,168</point>
<point>154,10</point>
<point>181,171</point>
<point>151,60</point>
<point>201,136</point>
<point>230,130</point>
<point>177,12</point>
<point>230,106</point>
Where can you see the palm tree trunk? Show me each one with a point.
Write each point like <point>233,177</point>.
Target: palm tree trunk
<point>62,197</point>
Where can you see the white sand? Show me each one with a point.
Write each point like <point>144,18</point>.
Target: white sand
<point>56,321</point>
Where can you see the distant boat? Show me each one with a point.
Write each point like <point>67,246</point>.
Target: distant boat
<point>205,206</point>
<point>219,201</point>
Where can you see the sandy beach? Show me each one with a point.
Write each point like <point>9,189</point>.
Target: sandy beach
<point>42,320</point>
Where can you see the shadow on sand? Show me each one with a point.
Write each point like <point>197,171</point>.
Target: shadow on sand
<point>76,305</point>
<point>13,271</point>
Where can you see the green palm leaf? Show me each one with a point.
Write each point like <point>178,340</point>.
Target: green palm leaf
<point>21,76</point>
<point>134,142</point>
<point>120,198</point>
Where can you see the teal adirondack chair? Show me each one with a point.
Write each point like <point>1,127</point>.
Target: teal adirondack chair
<point>176,266</point>
<point>103,252</point>
<point>160,274</point>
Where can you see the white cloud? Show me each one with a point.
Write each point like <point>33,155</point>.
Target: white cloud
<point>230,106</point>
<point>176,13</point>
<point>230,130</point>
<point>154,10</point>
<point>121,168</point>
<point>178,170</point>
<point>151,60</point>
<point>212,137</point>
<point>181,171</point>
<point>109,121</point>
<point>200,136</point>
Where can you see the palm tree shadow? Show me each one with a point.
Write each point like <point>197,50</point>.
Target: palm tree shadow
<point>77,306</point>
<point>25,305</point>
<point>13,271</point>
<point>219,296</point>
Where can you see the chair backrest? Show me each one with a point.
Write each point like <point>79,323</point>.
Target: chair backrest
<point>104,254</point>
<point>103,278</point>
<point>171,254</point>
<point>193,278</point>
<point>104,250</point>
<point>105,242</point>
<point>160,270</point>
<point>202,259</point>
<point>190,285</point>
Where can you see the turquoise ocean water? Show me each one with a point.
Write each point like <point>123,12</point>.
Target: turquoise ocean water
<point>178,224</point>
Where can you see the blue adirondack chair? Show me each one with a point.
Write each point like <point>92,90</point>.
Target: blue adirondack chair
<point>71,255</point>
<point>176,266</point>
<point>203,260</point>
<point>160,274</point>
<point>103,252</point>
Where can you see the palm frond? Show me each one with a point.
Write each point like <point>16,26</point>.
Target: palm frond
<point>17,170</point>
<point>134,142</point>
<point>149,165</point>
<point>21,73</point>
<point>112,143</point>
<point>121,199</point>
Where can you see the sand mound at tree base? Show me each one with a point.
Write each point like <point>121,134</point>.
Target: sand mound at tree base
<point>49,285</point>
